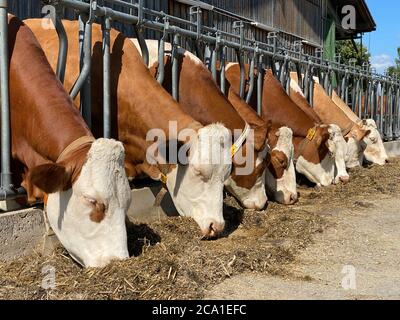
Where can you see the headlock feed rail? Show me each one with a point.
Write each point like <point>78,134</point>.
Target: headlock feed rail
<point>369,94</point>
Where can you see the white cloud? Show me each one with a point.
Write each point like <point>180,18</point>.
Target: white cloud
<point>382,62</point>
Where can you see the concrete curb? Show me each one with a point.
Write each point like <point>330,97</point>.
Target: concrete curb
<point>392,148</point>
<point>21,232</point>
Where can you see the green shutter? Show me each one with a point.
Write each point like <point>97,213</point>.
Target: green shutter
<point>329,39</point>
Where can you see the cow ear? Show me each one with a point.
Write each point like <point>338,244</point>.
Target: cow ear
<point>50,178</point>
<point>367,133</point>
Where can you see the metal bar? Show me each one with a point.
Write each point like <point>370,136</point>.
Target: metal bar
<point>62,50</point>
<point>175,68</point>
<point>266,49</point>
<point>251,78</point>
<point>106,79</point>
<point>6,183</point>
<point>260,84</point>
<point>142,44</point>
<point>242,73</point>
<point>222,74</point>
<point>161,66</point>
<point>82,84</point>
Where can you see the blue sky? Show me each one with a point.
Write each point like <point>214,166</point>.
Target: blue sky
<point>383,43</point>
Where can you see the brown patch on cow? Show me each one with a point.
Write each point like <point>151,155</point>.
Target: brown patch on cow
<point>358,133</point>
<point>98,213</point>
<point>314,150</point>
<point>279,163</point>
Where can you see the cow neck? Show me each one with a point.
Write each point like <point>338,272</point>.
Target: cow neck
<point>328,111</point>
<point>303,104</point>
<point>279,108</point>
<point>309,150</point>
<point>43,115</point>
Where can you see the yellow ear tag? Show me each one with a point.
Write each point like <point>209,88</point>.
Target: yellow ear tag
<point>233,150</point>
<point>311,134</point>
<point>163,178</point>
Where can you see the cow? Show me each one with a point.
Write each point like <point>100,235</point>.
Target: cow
<point>328,111</point>
<point>312,156</point>
<point>206,103</point>
<point>54,152</point>
<point>337,143</point>
<point>141,107</point>
<point>374,150</point>
<point>280,173</point>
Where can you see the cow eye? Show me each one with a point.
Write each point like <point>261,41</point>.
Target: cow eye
<point>373,139</point>
<point>90,200</point>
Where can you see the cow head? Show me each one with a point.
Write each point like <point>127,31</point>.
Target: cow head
<point>249,186</point>
<point>356,146</point>
<point>338,147</point>
<point>197,188</point>
<point>89,196</point>
<point>374,149</point>
<point>281,175</point>
<point>314,160</point>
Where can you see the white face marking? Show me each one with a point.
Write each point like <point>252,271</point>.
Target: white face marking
<point>103,180</point>
<point>338,146</point>
<point>197,189</point>
<point>375,151</point>
<point>256,197</point>
<point>284,190</point>
<point>321,174</point>
<point>354,156</point>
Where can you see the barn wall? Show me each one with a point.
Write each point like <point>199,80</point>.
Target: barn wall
<point>301,18</point>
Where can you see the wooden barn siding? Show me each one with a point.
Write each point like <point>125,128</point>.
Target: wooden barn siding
<point>32,9</point>
<point>302,18</point>
<point>298,18</point>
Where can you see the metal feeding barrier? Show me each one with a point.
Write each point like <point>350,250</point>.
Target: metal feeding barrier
<point>369,94</point>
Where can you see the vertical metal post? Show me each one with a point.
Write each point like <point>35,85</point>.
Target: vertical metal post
<point>311,88</point>
<point>260,83</point>
<point>161,53</point>
<point>5,102</point>
<point>239,54</point>
<point>251,77</point>
<point>83,83</point>
<point>106,79</point>
<point>359,98</point>
<point>63,45</point>
<point>175,68</point>
<point>222,74</point>
<point>382,105</point>
<point>397,106</point>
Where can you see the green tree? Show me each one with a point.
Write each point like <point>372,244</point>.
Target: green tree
<point>347,51</point>
<point>394,71</point>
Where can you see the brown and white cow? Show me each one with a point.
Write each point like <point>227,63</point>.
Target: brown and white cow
<point>337,143</point>
<point>88,191</point>
<point>310,140</point>
<point>328,111</point>
<point>141,109</point>
<point>374,150</point>
<point>280,173</point>
<point>206,103</point>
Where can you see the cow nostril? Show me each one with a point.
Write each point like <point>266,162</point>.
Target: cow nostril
<point>344,179</point>
<point>387,161</point>
<point>293,198</point>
